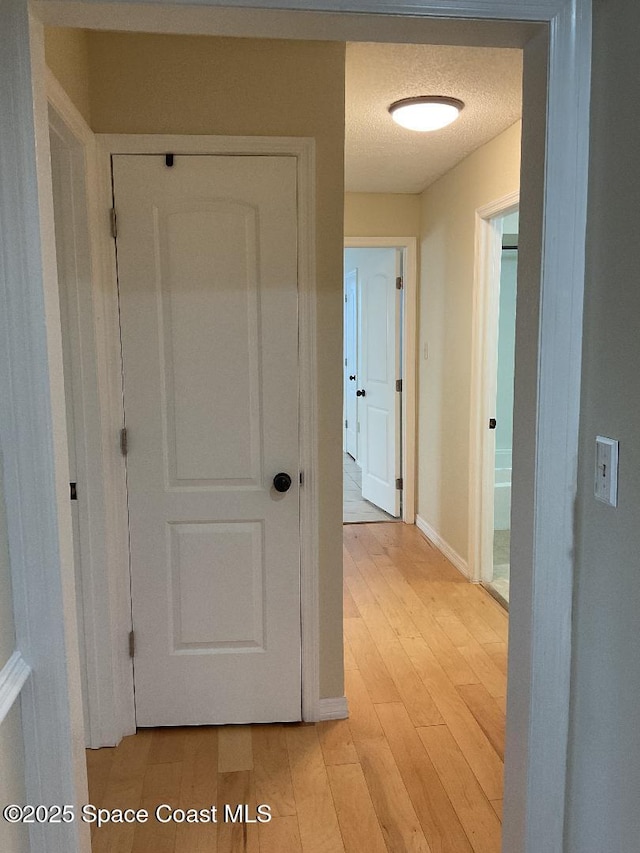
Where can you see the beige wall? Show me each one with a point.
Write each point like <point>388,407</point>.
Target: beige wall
<point>604,759</point>
<point>143,83</point>
<point>447,240</point>
<point>381,215</point>
<point>67,55</point>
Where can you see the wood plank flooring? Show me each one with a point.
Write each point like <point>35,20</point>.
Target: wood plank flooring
<point>417,768</point>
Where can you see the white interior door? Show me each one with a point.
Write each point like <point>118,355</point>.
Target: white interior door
<point>207,269</point>
<point>379,401</point>
<point>351,362</point>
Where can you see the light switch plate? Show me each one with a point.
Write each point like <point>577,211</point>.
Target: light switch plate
<point>606,474</point>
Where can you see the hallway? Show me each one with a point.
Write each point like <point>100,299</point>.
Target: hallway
<point>417,767</point>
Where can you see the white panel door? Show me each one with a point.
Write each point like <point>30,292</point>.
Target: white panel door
<point>351,362</point>
<point>207,270</point>
<point>379,405</point>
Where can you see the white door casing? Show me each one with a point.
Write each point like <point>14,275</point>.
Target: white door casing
<point>351,362</point>
<point>379,367</point>
<point>68,263</point>
<point>541,651</point>
<point>484,365</point>
<point>207,268</point>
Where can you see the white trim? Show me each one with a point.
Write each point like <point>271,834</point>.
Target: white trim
<point>335,708</point>
<point>33,438</point>
<point>540,659</point>
<point>329,19</point>
<point>443,546</point>
<point>304,151</point>
<point>546,450</point>
<point>103,525</point>
<point>484,361</point>
<point>409,358</point>
<point>12,678</point>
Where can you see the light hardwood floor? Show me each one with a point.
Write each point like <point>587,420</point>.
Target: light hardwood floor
<point>416,768</point>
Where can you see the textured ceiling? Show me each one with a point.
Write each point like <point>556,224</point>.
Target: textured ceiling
<point>382,157</point>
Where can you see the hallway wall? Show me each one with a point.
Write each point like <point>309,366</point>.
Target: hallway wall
<point>447,253</point>
<point>381,215</point>
<point>67,55</point>
<point>142,83</point>
<point>604,759</point>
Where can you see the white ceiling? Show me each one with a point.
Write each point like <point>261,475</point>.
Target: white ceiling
<point>382,157</point>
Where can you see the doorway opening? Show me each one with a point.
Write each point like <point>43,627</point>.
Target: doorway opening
<point>497,571</point>
<point>379,376</point>
<point>550,191</point>
<point>491,448</point>
<point>372,435</point>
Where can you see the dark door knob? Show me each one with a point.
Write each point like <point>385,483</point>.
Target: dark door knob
<point>492,423</point>
<point>362,393</point>
<point>282,482</point>
<point>352,377</point>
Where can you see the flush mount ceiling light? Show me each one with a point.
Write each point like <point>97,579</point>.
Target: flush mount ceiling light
<point>426,112</point>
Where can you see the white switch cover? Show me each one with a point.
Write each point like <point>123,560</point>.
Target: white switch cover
<point>606,484</point>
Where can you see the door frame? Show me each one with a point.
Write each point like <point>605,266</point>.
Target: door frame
<point>409,246</point>
<point>313,707</point>
<point>345,384</point>
<point>557,87</point>
<point>484,364</point>
<point>105,535</point>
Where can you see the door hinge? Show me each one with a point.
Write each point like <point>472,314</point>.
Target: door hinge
<point>124,441</point>
<point>346,299</point>
<point>301,478</point>
<point>73,491</point>
<point>399,283</point>
<point>398,384</point>
<point>346,424</point>
<point>399,484</point>
<point>114,224</point>
<point>132,644</point>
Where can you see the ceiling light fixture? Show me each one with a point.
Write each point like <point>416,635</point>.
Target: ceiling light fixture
<point>426,112</point>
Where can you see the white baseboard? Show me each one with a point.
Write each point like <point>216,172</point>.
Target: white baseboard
<point>334,708</point>
<point>443,546</point>
<point>12,678</point>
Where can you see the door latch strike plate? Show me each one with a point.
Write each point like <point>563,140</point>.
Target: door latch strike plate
<point>399,484</point>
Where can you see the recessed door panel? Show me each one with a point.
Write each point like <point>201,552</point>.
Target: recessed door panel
<point>218,381</point>
<point>380,337</point>
<point>218,585</point>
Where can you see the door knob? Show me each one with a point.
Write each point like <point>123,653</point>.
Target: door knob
<point>492,423</point>
<point>352,377</point>
<point>362,393</point>
<point>282,482</point>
